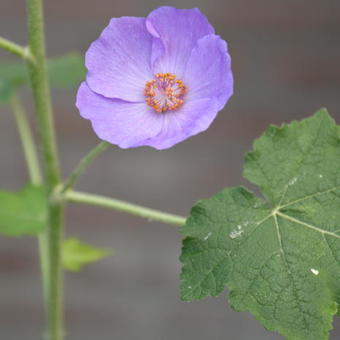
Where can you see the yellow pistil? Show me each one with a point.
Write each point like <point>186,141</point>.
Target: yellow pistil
<point>165,93</point>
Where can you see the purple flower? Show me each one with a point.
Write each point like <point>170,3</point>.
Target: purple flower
<point>155,81</point>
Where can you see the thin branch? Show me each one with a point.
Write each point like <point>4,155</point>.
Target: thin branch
<point>83,164</point>
<point>18,50</point>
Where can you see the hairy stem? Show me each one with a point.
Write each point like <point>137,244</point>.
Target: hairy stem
<point>20,51</point>
<point>133,209</point>
<point>42,99</point>
<point>83,164</point>
<point>31,156</point>
<point>41,92</point>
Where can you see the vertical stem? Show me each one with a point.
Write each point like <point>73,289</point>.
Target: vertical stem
<point>55,298</point>
<point>44,266</point>
<point>42,98</point>
<point>41,91</point>
<point>35,175</point>
<point>26,141</point>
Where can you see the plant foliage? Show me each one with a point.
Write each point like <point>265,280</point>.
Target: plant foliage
<point>278,255</point>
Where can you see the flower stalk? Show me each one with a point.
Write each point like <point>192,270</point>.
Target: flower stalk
<point>83,164</point>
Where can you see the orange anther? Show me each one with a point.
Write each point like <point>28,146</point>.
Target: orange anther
<point>165,93</point>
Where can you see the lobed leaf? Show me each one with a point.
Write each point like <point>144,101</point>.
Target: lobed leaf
<point>23,212</point>
<point>75,254</point>
<point>279,256</point>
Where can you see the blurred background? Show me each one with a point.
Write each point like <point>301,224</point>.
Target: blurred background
<point>286,64</point>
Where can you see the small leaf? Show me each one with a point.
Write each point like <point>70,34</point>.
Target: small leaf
<point>64,72</point>
<point>279,256</point>
<point>23,212</point>
<point>76,254</point>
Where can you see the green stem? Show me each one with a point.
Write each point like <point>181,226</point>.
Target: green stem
<point>133,209</point>
<point>83,164</point>
<point>32,162</point>
<point>55,300</point>
<point>27,141</point>
<point>42,99</point>
<point>20,51</point>
<point>41,92</point>
<point>44,265</point>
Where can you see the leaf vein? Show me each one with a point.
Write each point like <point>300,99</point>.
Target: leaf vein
<point>309,197</point>
<point>292,280</point>
<point>310,226</point>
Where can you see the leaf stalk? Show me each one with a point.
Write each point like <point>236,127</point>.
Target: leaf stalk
<point>130,208</point>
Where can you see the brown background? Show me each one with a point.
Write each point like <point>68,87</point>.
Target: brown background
<point>286,62</point>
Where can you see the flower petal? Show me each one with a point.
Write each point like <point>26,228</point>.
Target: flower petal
<point>208,73</point>
<point>116,121</point>
<point>175,33</point>
<point>118,62</point>
<point>193,117</point>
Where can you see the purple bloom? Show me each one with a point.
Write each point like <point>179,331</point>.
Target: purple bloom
<point>155,81</point>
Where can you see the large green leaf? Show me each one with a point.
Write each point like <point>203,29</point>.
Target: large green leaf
<point>76,255</point>
<point>23,212</point>
<point>279,256</point>
<point>64,72</point>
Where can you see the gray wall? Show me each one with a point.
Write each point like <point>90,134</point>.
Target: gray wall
<point>286,65</point>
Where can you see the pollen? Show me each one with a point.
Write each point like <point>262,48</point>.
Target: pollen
<point>165,92</point>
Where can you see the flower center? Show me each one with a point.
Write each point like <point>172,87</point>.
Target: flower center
<point>165,93</point>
